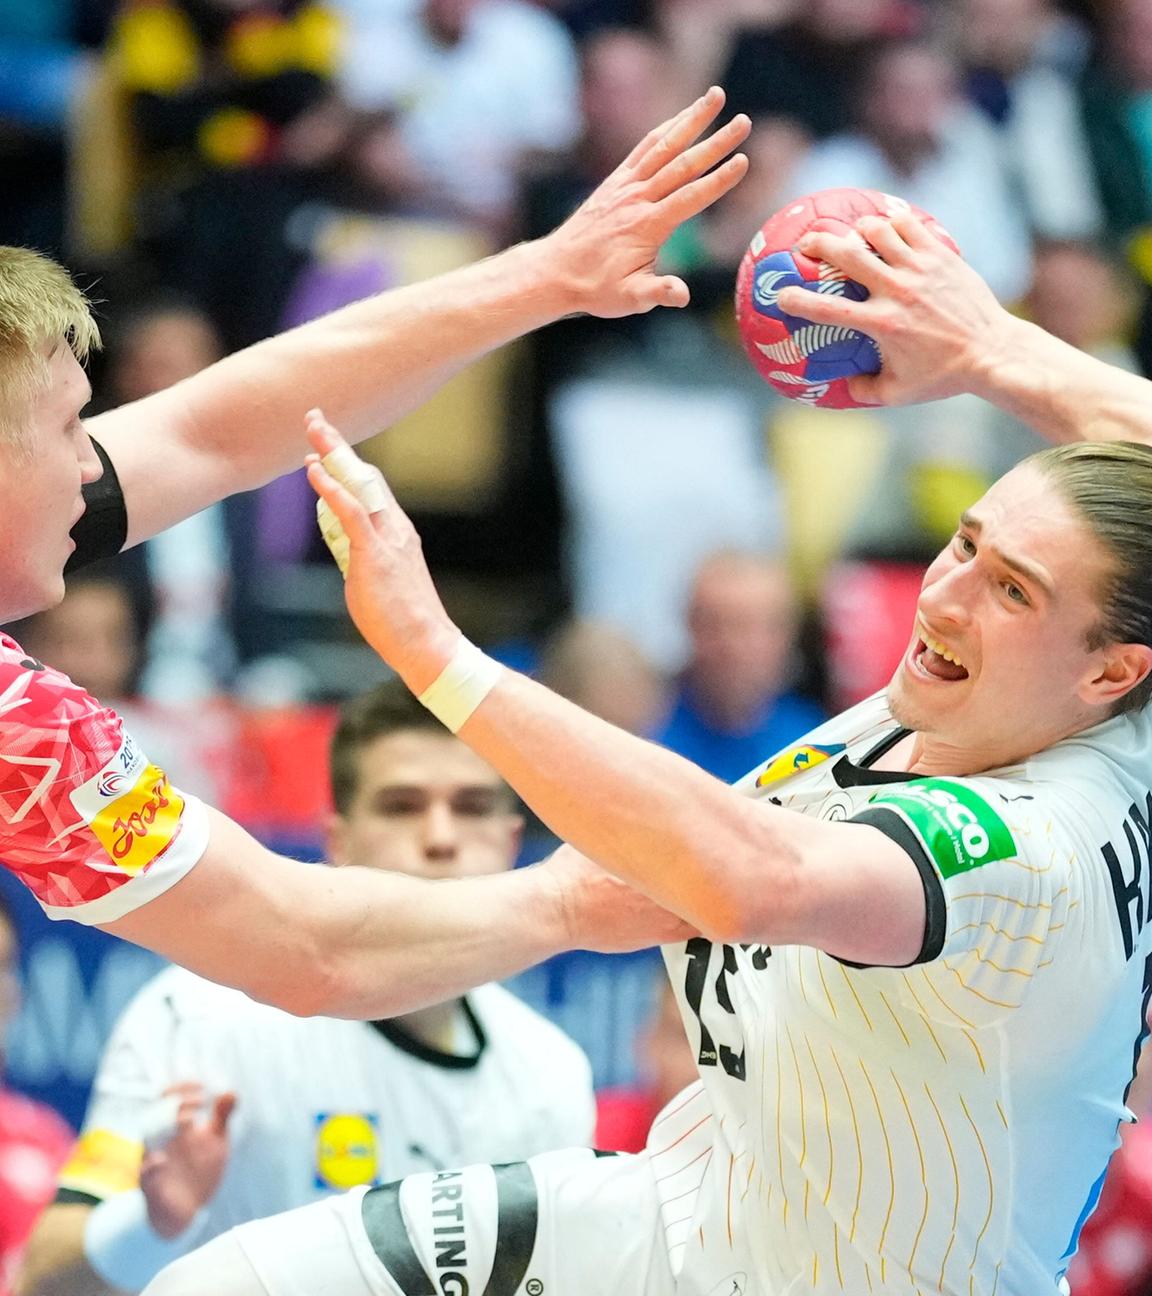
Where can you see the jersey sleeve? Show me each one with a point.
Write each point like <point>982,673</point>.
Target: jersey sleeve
<point>996,866</point>
<point>87,822</point>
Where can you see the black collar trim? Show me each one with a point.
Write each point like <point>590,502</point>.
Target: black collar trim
<point>404,1040</point>
<point>849,774</point>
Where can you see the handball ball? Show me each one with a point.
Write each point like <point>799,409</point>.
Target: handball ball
<point>805,361</point>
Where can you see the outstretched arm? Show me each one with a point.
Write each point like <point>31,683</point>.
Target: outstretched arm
<point>736,869</point>
<point>941,332</point>
<point>237,424</point>
<point>362,943</point>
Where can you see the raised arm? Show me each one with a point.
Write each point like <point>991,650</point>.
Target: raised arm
<point>737,869</point>
<point>238,424</point>
<point>941,332</point>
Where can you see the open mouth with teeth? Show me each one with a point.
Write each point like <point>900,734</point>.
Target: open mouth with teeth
<point>937,661</point>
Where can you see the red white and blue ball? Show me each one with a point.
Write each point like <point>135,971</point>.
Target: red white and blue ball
<point>810,362</point>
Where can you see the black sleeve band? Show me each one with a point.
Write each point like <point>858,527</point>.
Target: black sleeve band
<point>935,906</point>
<point>103,528</point>
<point>74,1197</point>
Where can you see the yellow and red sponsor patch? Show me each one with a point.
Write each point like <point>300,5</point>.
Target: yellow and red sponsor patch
<point>102,1163</point>
<point>795,760</point>
<point>132,809</point>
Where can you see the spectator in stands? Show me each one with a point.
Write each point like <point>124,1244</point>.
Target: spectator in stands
<point>474,87</point>
<point>320,1105</point>
<point>917,137</point>
<point>34,1141</point>
<point>1117,99</point>
<point>1117,104</point>
<point>733,706</point>
<point>189,653</point>
<point>602,670</point>
<point>800,62</point>
<point>1015,54</point>
<point>236,123</point>
<point>215,83</point>
<point>1086,299</point>
<point>42,67</point>
<point>666,1067</point>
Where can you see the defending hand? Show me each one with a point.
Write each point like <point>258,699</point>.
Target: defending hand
<point>607,248</point>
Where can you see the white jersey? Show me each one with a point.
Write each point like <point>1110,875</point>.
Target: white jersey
<point>323,1104</point>
<point>943,1127</point>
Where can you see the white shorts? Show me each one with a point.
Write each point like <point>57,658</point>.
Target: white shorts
<point>570,1223</point>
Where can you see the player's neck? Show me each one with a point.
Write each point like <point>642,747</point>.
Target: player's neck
<point>437,1027</point>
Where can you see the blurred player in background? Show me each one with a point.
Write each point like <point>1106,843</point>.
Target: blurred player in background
<point>321,1104</point>
<point>926,958</point>
<point>95,829</point>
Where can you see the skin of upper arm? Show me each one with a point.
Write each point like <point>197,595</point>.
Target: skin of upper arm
<point>244,917</point>
<point>55,1263</point>
<point>149,445</point>
<point>852,892</point>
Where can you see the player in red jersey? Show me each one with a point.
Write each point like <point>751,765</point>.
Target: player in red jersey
<point>95,829</point>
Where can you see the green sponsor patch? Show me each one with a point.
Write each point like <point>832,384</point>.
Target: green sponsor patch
<point>959,829</point>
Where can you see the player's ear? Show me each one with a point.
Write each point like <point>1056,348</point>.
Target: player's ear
<point>335,840</point>
<point>1119,669</point>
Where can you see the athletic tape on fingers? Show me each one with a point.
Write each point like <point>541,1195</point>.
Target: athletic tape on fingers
<point>360,479</point>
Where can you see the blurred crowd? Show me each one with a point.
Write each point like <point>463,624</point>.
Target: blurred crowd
<point>620,507</point>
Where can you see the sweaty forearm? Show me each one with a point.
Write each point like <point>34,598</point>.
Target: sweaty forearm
<point>645,814</point>
<point>1062,392</point>
<point>55,1263</point>
<point>344,942</point>
<point>396,943</point>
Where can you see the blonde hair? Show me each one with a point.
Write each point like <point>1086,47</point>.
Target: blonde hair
<point>1109,485</point>
<point>40,306</point>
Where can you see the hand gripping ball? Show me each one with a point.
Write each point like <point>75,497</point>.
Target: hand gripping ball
<point>801,360</point>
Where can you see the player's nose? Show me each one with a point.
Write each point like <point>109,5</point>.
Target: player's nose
<point>439,832</point>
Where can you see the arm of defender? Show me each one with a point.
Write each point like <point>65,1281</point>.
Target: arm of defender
<point>941,332</point>
<point>361,943</point>
<point>237,425</point>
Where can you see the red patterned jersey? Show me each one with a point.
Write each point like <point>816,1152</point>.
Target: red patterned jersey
<point>1115,1255</point>
<point>87,822</point>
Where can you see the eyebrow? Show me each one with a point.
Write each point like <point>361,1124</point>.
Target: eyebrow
<point>1030,571</point>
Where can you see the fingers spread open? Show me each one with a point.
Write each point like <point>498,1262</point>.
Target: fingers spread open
<point>700,158</point>
<point>686,127</point>
<point>690,199</point>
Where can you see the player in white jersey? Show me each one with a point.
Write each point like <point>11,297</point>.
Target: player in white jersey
<point>923,971</point>
<point>321,1105</point>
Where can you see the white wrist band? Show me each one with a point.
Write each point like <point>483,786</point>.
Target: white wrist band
<point>461,686</point>
<point>124,1249</point>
